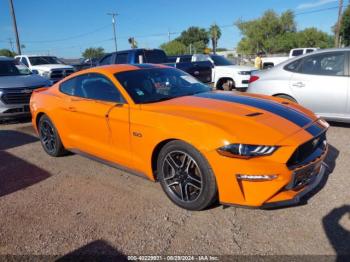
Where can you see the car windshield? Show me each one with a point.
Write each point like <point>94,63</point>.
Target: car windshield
<point>44,60</point>
<point>13,68</point>
<point>159,84</point>
<point>220,60</point>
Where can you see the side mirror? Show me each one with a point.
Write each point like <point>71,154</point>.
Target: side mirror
<point>34,71</point>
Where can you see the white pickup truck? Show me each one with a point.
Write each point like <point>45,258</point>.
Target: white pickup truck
<point>225,74</point>
<point>271,61</point>
<point>49,67</point>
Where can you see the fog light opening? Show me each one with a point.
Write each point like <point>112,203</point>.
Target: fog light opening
<point>256,178</point>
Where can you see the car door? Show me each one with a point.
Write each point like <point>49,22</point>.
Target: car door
<point>321,83</point>
<point>98,119</point>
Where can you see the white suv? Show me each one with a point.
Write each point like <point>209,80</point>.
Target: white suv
<point>49,67</point>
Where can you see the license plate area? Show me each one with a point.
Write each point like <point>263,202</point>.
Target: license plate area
<point>304,176</point>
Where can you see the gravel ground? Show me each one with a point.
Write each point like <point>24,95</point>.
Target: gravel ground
<point>73,205</point>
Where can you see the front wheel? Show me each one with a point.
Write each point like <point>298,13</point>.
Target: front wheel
<point>226,84</point>
<point>186,176</point>
<point>49,137</point>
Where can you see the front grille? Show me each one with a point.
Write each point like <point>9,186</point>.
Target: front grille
<point>308,152</point>
<point>60,73</point>
<point>17,95</point>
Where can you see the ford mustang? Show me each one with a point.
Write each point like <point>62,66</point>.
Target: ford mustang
<point>201,145</point>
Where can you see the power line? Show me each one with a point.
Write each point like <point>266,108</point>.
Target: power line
<point>68,38</point>
<point>319,10</point>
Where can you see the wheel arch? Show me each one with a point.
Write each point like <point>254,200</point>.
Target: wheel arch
<point>284,94</point>
<point>37,118</point>
<point>155,154</point>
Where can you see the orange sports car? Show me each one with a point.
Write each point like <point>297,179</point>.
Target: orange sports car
<point>201,145</point>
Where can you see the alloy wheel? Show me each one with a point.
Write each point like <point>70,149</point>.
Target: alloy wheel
<point>182,176</point>
<point>48,136</point>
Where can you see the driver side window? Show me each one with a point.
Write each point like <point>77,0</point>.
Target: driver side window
<point>98,87</point>
<point>92,86</point>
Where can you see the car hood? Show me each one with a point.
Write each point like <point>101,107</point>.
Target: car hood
<point>244,118</point>
<point>51,66</point>
<point>236,68</point>
<point>32,80</point>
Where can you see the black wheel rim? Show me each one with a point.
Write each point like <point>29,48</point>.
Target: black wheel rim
<point>182,176</point>
<point>48,136</point>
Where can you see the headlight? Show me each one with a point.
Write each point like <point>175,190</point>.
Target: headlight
<point>244,72</point>
<point>246,151</point>
<point>46,74</point>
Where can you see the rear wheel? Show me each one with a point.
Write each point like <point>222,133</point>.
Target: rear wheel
<point>49,137</point>
<point>185,176</point>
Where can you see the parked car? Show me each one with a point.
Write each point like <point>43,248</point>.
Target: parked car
<point>319,81</point>
<point>49,67</point>
<point>85,64</point>
<point>200,70</point>
<point>17,83</point>
<point>272,61</point>
<point>225,74</point>
<point>163,124</point>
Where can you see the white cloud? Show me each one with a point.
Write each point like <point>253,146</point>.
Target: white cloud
<point>315,4</point>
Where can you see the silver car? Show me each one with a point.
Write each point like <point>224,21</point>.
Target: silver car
<point>17,83</point>
<point>318,81</point>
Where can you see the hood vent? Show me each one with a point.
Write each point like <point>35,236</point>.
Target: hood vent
<point>254,114</point>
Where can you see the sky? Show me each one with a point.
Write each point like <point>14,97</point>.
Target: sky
<point>65,28</point>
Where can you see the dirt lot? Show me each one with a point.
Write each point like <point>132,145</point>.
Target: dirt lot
<point>60,206</point>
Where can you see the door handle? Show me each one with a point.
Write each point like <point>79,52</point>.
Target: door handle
<point>299,84</point>
<point>72,109</point>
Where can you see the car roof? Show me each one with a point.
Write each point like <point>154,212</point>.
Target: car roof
<point>113,69</point>
<point>5,58</point>
<point>319,51</point>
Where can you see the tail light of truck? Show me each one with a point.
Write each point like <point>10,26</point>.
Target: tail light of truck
<point>253,79</point>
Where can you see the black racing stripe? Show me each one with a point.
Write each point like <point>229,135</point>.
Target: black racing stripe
<point>292,115</point>
<point>315,129</point>
<point>145,66</point>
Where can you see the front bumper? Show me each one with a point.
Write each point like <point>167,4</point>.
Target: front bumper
<point>9,111</point>
<point>288,187</point>
<point>241,82</point>
<point>299,197</point>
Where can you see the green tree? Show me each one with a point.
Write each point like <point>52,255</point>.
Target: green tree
<point>93,52</point>
<point>311,37</point>
<point>194,37</point>
<point>174,48</point>
<point>264,33</point>
<point>215,34</point>
<point>7,52</point>
<point>345,27</point>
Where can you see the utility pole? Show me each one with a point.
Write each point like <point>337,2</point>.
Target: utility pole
<point>12,10</point>
<point>11,44</point>
<point>114,30</point>
<point>337,32</point>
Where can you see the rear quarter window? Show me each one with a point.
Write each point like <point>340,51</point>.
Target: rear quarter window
<point>67,87</point>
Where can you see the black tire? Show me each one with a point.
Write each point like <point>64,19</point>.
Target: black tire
<point>287,97</point>
<point>226,84</point>
<point>185,176</point>
<point>50,140</point>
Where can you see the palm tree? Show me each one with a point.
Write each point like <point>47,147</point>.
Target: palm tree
<point>214,34</point>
